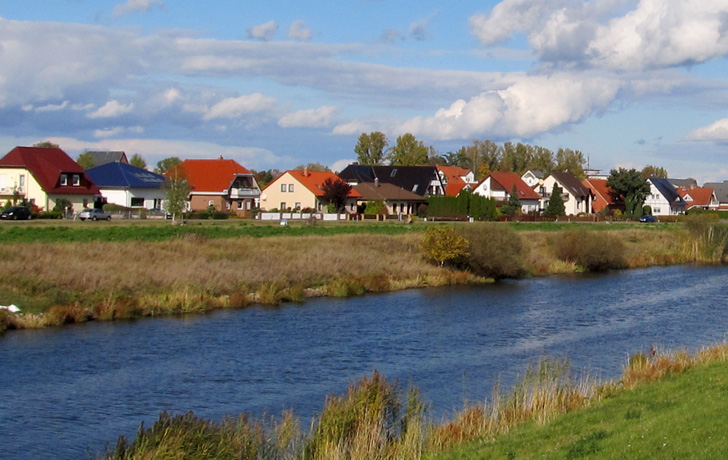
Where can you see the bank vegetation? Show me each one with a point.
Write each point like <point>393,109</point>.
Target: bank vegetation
<point>69,275</point>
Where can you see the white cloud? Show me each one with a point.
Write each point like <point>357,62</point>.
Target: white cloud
<point>532,105</point>
<point>263,32</point>
<point>355,127</point>
<point>314,118</point>
<point>113,132</point>
<point>136,6</point>
<point>111,109</point>
<point>299,31</point>
<point>339,165</point>
<point>613,34</point>
<point>236,107</point>
<point>52,107</point>
<point>717,131</point>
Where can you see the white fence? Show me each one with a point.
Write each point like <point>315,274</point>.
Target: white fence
<point>280,216</point>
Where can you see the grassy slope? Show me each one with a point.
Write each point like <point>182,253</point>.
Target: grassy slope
<point>681,416</point>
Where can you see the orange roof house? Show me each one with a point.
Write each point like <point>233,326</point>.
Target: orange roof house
<point>300,189</point>
<point>222,184</point>
<point>698,197</point>
<point>455,179</point>
<point>499,186</point>
<point>604,196</point>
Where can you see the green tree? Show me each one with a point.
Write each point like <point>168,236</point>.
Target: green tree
<point>167,164</point>
<point>442,244</point>
<point>629,184</point>
<point>313,167</point>
<point>85,160</point>
<point>542,160</point>
<point>555,207</point>
<point>138,161</point>
<point>653,171</point>
<point>514,204</point>
<point>408,151</point>
<point>370,148</point>
<point>572,161</point>
<point>177,188</point>
<point>336,192</point>
<point>46,145</point>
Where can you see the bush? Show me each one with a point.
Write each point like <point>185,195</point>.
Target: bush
<point>496,251</point>
<point>442,244</point>
<point>593,251</point>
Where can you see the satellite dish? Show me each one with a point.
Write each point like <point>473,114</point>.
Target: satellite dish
<point>263,197</point>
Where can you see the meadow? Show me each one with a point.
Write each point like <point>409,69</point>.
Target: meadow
<point>67,272</point>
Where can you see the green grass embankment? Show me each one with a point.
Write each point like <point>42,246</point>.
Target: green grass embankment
<point>682,416</point>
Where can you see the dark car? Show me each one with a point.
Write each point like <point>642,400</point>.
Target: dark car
<point>16,213</point>
<point>648,219</point>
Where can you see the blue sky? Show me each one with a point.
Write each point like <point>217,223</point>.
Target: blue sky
<point>276,84</point>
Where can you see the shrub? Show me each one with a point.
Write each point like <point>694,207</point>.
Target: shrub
<point>593,251</point>
<point>496,251</point>
<point>442,244</point>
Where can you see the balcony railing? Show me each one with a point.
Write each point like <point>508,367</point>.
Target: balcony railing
<point>244,193</point>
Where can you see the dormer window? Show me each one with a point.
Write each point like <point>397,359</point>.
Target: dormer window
<point>76,180</point>
<point>64,179</point>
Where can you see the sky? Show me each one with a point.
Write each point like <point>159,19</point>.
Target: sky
<point>277,84</point>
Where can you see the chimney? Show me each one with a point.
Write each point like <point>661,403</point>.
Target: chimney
<point>220,157</point>
<point>376,182</point>
<point>305,171</point>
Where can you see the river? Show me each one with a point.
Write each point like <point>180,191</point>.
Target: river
<point>65,393</point>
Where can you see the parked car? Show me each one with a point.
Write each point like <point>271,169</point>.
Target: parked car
<point>648,219</point>
<point>16,213</point>
<point>94,214</point>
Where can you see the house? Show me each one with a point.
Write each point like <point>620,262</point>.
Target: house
<point>455,179</point>
<point>720,189</point>
<point>534,178</point>
<point>577,197</point>
<point>129,186</point>
<point>679,183</point>
<point>420,180</point>
<point>499,186</point>
<point>664,198</point>
<point>221,184</point>
<point>301,189</point>
<point>43,176</point>
<point>396,199</point>
<point>698,198</point>
<point>102,157</point>
<point>605,199</point>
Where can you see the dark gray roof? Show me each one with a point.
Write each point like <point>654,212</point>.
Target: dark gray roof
<point>101,157</point>
<point>677,183</point>
<point>571,184</point>
<point>387,192</point>
<point>415,179</point>
<point>668,191</point>
<point>720,189</point>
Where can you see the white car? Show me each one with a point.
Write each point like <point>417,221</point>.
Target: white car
<point>94,214</point>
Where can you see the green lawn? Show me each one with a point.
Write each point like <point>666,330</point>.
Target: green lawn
<point>683,416</point>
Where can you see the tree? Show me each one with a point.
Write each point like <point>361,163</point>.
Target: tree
<point>46,145</point>
<point>653,171</point>
<point>138,161</point>
<point>370,148</point>
<point>514,204</point>
<point>336,191</point>
<point>265,177</point>
<point>555,207</point>
<point>85,160</point>
<point>313,167</point>
<point>572,161</point>
<point>542,160</point>
<point>442,244</point>
<point>177,189</point>
<point>408,151</point>
<point>167,164</point>
<point>629,184</point>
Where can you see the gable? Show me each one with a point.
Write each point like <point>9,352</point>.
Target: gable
<point>48,166</point>
<point>215,176</point>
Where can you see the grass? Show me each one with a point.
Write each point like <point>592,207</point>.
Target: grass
<point>667,405</point>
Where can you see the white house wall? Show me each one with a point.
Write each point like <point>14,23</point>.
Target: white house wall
<point>123,197</point>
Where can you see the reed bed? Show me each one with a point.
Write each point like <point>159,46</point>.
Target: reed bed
<point>376,419</point>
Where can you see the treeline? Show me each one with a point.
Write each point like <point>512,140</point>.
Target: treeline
<point>466,204</point>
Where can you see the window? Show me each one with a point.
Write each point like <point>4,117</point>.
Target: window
<point>137,202</point>
<point>64,179</point>
<point>393,173</point>
<point>76,180</point>
<point>290,187</point>
<point>297,206</point>
<point>283,206</point>
<point>240,205</point>
<point>211,203</point>
<point>283,188</point>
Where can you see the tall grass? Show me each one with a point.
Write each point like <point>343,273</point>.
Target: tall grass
<point>708,240</point>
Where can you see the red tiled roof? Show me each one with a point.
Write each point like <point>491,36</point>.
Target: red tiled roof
<point>313,180</point>
<point>46,165</point>
<point>701,196</point>
<point>508,180</point>
<point>603,192</point>
<point>455,183</point>
<point>212,175</point>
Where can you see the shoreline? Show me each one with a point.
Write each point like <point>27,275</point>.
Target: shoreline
<point>99,281</point>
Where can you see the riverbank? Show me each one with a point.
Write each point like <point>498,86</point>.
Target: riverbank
<point>547,414</point>
<point>59,275</point>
